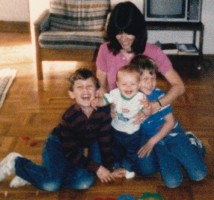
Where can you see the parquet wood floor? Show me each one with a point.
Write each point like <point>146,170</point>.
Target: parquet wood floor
<point>32,108</point>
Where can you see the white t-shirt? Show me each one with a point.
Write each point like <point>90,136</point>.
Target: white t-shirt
<point>125,109</point>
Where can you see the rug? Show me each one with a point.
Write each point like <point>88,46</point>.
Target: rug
<point>7,76</point>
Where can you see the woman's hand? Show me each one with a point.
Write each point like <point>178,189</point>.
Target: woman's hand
<point>146,149</point>
<point>102,77</point>
<point>139,118</point>
<point>155,106</point>
<point>113,112</point>
<point>147,106</point>
<point>101,91</point>
<point>105,175</point>
<point>94,103</point>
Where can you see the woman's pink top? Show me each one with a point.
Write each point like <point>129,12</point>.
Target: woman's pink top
<point>109,63</point>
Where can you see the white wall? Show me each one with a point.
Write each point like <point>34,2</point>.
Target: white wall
<point>18,10</point>
<point>14,10</point>
<point>36,7</point>
<point>208,19</point>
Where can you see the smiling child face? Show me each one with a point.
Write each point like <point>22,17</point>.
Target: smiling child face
<point>83,92</point>
<point>128,83</point>
<point>148,82</point>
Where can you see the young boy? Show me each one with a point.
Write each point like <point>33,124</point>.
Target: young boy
<point>128,102</point>
<point>64,163</point>
<point>172,146</point>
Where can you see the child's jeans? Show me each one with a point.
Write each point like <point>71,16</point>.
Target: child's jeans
<point>125,149</point>
<point>56,172</point>
<point>176,152</point>
<point>144,166</point>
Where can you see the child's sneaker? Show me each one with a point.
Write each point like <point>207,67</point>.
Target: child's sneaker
<point>18,182</point>
<point>129,175</point>
<point>194,139</point>
<point>7,165</point>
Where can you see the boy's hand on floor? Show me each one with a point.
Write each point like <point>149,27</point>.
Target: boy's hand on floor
<point>104,175</point>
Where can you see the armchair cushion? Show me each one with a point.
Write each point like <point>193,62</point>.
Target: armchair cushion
<point>71,39</point>
<point>78,15</point>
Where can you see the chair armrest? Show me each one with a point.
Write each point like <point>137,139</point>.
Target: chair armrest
<point>43,22</point>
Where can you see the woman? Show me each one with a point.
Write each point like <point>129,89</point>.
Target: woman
<point>126,38</point>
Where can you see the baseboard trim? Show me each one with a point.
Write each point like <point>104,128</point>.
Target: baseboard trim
<point>17,27</point>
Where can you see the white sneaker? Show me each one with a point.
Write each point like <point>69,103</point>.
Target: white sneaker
<point>18,182</point>
<point>7,165</point>
<point>194,140</point>
<point>129,175</point>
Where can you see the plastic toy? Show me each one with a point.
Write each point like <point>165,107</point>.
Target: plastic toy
<point>126,197</point>
<point>153,196</point>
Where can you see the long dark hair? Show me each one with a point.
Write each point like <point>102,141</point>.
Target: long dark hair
<point>127,18</point>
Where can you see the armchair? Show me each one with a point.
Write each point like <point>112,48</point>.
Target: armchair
<point>69,30</point>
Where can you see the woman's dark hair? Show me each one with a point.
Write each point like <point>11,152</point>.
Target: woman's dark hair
<point>127,18</point>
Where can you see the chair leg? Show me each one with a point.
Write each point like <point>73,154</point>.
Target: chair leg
<point>39,68</point>
<point>38,59</point>
<point>38,63</point>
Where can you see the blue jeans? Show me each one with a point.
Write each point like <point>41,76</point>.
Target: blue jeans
<point>56,172</point>
<point>146,166</point>
<point>175,153</point>
<point>125,149</point>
